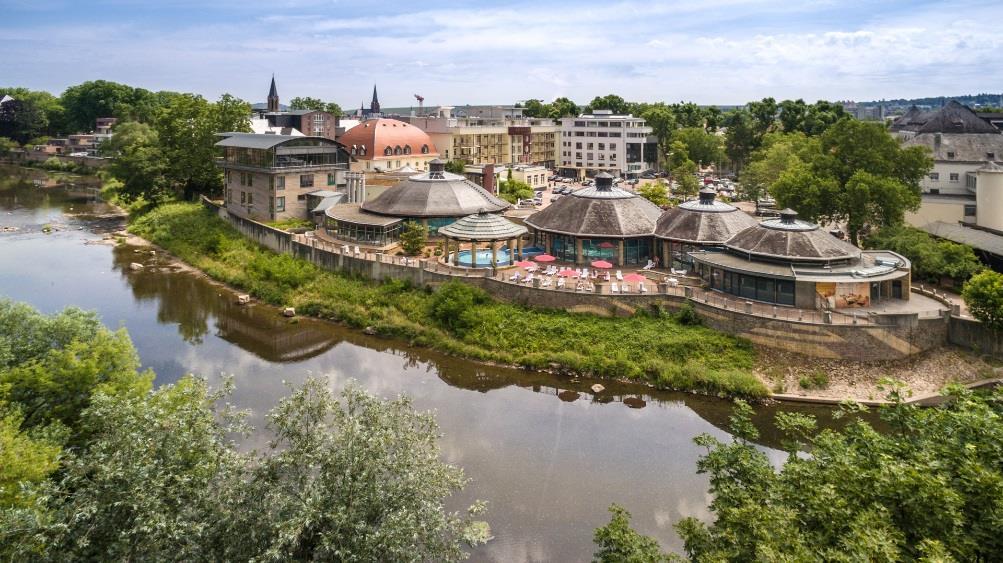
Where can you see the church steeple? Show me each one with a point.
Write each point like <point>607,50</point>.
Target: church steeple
<point>273,97</point>
<point>374,106</point>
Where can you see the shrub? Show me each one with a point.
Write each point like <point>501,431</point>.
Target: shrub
<point>413,237</point>
<point>984,296</point>
<point>814,380</point>
<point>452,306</point>
<point>687,316</point>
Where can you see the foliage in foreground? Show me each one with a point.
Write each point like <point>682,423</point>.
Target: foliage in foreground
<point>929,487</point>
<point>655,348</point>
<point>154,475</point>
<point>931,259</point>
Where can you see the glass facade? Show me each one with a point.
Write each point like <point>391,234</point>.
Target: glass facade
<point>373,235</point>
<point>756,288</point>
<point>563,247</point>
<point>679,257</point>
<point>600,249</point>
<point>436,223</point>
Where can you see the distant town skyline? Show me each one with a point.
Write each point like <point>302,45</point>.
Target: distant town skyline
<point>714,52</point>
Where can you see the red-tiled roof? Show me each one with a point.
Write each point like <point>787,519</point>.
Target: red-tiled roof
<point>378,134</point>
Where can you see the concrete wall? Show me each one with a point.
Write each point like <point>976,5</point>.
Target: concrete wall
<point>975,336</point>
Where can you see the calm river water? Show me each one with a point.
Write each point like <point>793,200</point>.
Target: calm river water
<point>547,454</point>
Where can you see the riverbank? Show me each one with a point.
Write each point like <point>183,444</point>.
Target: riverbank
<point>653,347</point>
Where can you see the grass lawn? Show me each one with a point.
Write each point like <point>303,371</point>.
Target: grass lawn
<point>460,319</point>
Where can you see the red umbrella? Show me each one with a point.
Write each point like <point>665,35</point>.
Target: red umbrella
<point>634,278</point>
<point>544,258</point>
<point>606,244</point>
<point>525,264</point>
<point>568,273</point>
<point>602,264</point>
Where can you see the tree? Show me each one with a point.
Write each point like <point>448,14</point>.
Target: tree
<point>306,103</point>
<point>21,120</point>
<point>741,137</point>
<point>701,146</point>
<point>86,102</point>
<point>612,102</point>
<point>617,542</point>
<point>50,116</point>
<point>562,107</point>
<point>662,122</point>
<point>984,296</point>
<point>932,259</point>
<point>514,190</point>
<point>860,175</point>
<point>413,237</point>
<point>655,192</point>
<point>686,181</point>
<point>334,109</point>
<point>535,108</point>
<point>456,166</point>
<point>138,162</point>
<point>688,115</point>
<point>26,458</point>
<point>7,145</point>
<point>780,152</point>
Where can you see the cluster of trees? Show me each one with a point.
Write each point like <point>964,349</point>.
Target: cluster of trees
<point>95,465</point>
<point>315,104</point>
<point>924,488</point>
<point>932,259</point>
<point>561,107</point>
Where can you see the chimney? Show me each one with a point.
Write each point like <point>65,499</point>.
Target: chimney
<point>489,179</point>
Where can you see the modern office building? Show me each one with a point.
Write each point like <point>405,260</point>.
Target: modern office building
<point>268,177</point>
<point>621,145</point>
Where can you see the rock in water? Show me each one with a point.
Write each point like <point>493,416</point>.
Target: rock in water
<point>135,266</point>
<point>597,388</point>
<point>243,299</point>
<point>289,312</point>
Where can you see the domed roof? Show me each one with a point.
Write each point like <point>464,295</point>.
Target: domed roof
<point>703,221</point>
<point>790,239</point>
<point>436,193</point>
<point>482,226</point>
<point>379,135</point>
<point>601,211</point>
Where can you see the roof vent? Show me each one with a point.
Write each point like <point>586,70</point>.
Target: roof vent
<point>604,182</point>
<point>788,216</point>
<point>707,196</point>
<point>436,168</point>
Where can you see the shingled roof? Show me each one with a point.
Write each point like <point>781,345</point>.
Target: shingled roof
<point>703,221</point>
<point>793,240</point>
<point>954,117</point>
<point>482,227</point>
<point>599,211</point>
<point>436,193</point>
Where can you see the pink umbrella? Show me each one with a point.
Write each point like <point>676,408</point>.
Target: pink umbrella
<point>568,273</point>
<point>606,244</point>
<point>601,264</point>
<point>544,258</point>
<point>525,264</point>
<point>634,278</point>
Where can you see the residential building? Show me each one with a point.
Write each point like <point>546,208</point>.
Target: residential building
<point>490,139</point>
<point>622,145</point>
<point>488,176</point>
<point>863,112</point>
<point>382,145</point>
<point>307,122</point>
<point>961,142</point>
<point>268,177</point>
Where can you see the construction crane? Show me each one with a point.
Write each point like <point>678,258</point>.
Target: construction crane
<point>421,103</point>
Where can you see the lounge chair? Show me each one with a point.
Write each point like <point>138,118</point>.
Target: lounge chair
<point>585,272</point>
<point>560,283</point>
<point>529,279</point>
<point>346,250</point>
<point>676,272</point>
<point>619,275</point>
<point>514,277</point>
<point>546,282</point>
<point>613,288</point>
<point>642,288</point>
<point>625,288</point>
<point>649,265</point>
<point>357,251</point>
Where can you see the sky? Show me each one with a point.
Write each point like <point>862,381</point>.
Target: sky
<point>481,52</point>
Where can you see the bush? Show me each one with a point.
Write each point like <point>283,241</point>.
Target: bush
<point>413,237</point>
<point>931,259</point>
<point>452,306</point>
<point>687,316</point>
<point>815,380</point>
<point>984,296</point>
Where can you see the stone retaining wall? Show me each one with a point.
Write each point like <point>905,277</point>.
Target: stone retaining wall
<point>895,338</point>
<point>975,336</point>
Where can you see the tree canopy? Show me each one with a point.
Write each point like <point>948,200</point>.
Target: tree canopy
<point>315,104</point>
<point>932,259</point>
<point>984,296</point>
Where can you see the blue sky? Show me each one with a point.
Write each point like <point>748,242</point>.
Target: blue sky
<point>712,51</point>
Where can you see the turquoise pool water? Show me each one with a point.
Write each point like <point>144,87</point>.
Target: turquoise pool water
<point>483,258</point>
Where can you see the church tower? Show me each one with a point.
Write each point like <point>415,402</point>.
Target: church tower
<point>374,106</point>
<point>273,97</point>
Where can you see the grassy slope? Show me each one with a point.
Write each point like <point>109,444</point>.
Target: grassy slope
<point>654,348</point>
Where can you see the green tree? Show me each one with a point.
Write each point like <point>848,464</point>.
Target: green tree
<point>612,102</point>
<point>984,296</point>
<point>662,122</point>
<point>701,146</point>
<point>562,107</point>
<point>535,108</point>
<point>685,177</point>
<point>21,120</point>
<point>860,176</point>
<point>7,145</point>
<point>307,103</point>
<point>655,192</point>
<point>455,166</point>
<point>617,542</point>
<point>931,259</point>
<point>26,458</point>
<point>779,153</point>
<point>689,115</point>
<point>741,137</point>
<point>413,237</point>
<point>86,102</point>
<point>138,162</point>
<point>925,488</point>
<point>50,116</point>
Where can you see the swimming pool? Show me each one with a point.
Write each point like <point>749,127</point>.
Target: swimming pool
<point>483,258</point>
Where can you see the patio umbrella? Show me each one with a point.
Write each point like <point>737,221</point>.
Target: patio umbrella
<point>634,278</point>
<point>606,244</point>
<point>566,273</point>
<point>601,264</point>
<point>525,264</point>
<point>544,258</point>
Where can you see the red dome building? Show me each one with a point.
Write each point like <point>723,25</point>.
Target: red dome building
<point>385,145</point>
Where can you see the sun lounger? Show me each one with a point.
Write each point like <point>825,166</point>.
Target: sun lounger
<point>585,272</point>
<point>560,283</point>
<point>619,275</point>
<point>346,250</point>
<point>529,279</point>
<point>676,272</point>
<point>514,277</point>
<point>546,282</point>
<point>625,288</point>
<point>613,288</point>
<point>642,288</point>
<point>649,265</point>
<point>357,251</point>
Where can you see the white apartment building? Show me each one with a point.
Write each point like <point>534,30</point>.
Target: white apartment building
<point>622,145</point>
<point>491,140</point>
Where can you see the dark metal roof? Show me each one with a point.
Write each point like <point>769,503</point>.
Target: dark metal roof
<point>435,194</point>
<point>599,211</point>
<point>703,221</point>
<point>482,227</point>
<point>258,141</point>
<point>954,117</point>
<point>790,239</point>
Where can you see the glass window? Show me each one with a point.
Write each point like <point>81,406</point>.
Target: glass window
<point>748,287</point>
<point>934,176</point>
<point>280,203</point>
<point>306,181</point>
<point>330,179</point>
<point>954,176</point>
<point>280,183</point>
<point>765,290</point>
<point>785,292</point>
<point>243,197</point>
<point>250,198</point>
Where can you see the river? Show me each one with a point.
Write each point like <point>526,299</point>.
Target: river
<point>547,454</point>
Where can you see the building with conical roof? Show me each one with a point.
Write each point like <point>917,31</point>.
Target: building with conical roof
<point>787,261</point>
<point>602,222</point>
<point>273,97</point>
<point>697,225</point>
